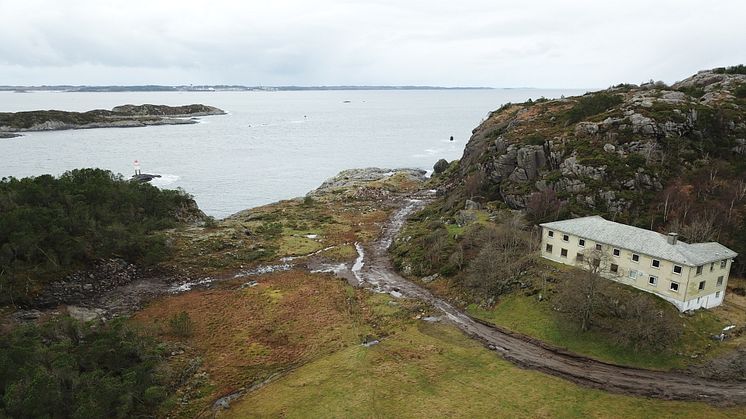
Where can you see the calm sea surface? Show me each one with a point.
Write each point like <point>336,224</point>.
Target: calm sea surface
<point>270,146</point>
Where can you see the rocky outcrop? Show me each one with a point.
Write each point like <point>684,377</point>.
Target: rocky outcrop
<point>125,116</point>
<point>358,178</point>
<point>170,111</point>
<point>625,148</point>
<point>80,287</point>
<point>440,166</point>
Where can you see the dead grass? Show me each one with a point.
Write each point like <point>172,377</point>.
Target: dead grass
<point>244,335</point>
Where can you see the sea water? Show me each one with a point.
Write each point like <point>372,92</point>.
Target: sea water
<point>269,146</point>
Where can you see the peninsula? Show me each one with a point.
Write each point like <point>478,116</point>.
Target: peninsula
<point>125,116</point>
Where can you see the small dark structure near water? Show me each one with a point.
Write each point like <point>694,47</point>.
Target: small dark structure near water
<point>139,176</point>
<point>143,177</point>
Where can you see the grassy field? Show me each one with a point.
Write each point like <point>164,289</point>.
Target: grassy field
<point>528,316</point>
<point>433,370</point>
<point>309,327</point>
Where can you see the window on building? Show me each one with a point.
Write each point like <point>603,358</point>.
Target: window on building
<point>581,242</point>
<point>712,266</point>
<point>635,257</point>
<point>598,247</point>
<point>616,252</point>
<point>656,264</point>
<point>565,238</point>
<point>677,269</point>
<point>723,263</point>
<point>720,281</point>
<point>550,233</point>
<point>675,286</point>
<point>579,257</point>
<point>701,285</point>
<point>632,274</point>
<point>563,253</point>
<point>717,294</point>
<point>699,270</point>
<point>653,280</point>
<point>549,248</point>
<point>614,268</point>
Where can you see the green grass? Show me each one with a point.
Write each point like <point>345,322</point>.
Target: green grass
<point>298,246</point>
<point>528,316</point>
<point>433,370</point>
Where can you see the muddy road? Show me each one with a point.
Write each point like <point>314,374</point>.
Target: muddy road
<point>375,271</point>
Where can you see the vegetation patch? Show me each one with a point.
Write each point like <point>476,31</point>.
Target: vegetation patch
<point>433,370</point>
<point>50,226</point>
<point>592,104</point>
<point>64,368</point>
<point>736,69</point>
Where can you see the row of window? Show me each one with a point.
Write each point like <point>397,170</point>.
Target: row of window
<point>633,274</point>
<point>655,263</point>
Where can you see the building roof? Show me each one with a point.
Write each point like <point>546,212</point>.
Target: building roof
<point>642,241</point>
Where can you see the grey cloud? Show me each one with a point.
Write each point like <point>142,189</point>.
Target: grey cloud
<point>543,43</point>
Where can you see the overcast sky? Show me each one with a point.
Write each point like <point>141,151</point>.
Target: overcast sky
<point>535,43</point>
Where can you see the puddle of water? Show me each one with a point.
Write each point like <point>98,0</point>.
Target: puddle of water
<point>292,258</point>
<point>370,343</point>
<point>334,269</point>
<point>358,265</point>
<point>265,270</point>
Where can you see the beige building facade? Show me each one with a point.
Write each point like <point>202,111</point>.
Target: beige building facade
<point>690,276</point>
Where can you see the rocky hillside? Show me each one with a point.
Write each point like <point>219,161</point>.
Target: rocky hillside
<point>657,156</point>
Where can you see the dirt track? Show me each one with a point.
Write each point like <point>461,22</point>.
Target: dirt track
<point>378,273</point>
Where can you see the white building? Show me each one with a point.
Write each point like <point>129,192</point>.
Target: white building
<point>690,276</point>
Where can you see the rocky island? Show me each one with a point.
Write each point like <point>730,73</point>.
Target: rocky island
<point>125,116</point>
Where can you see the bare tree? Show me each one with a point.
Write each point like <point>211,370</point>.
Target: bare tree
<point>644,325</point>
<point>434,245</point>
<point>473,183</point>
<point>543,206</point>
<point>701,229</point>
<point>504,253</point>
<point>738,193</point>
<point>581,297</point>
<point>457,257</point>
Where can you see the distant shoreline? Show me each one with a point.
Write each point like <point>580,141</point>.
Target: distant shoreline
<point>218,88</point>
<point>125,116</point>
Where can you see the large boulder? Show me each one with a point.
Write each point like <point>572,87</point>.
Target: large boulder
<point>440,166</point>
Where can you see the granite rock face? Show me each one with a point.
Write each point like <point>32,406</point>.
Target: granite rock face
<point>621,152</point>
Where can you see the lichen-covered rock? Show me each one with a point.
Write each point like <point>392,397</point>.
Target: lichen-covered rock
<point>610,151</point>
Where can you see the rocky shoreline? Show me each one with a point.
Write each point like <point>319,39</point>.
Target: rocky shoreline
<point>124,116</point>
<point>113,287</point>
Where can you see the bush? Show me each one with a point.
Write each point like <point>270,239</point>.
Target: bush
<point>181,325</point>
<point>270,230</point>
<point>210,222</point>
<point>592,104</point>
<point>642,324</point>
<point>49,225</point>
<point>68,369</point>
<point>544,206</point>
<point>740,91</point>
<point>736,69</point>
<point>504,252</point>
<point>632,318</point>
